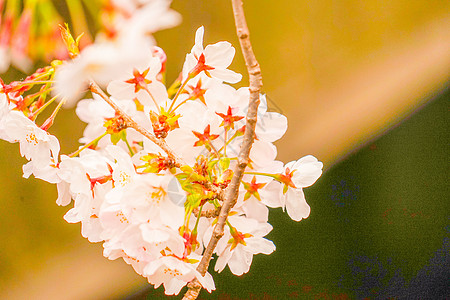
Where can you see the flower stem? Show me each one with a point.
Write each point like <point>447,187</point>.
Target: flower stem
<point>88,145</point>
<point>49,121</point>
<point>180,90</point>
<point>129,147</point>
<point>262,174</point>
<point>34,115</point>
<point>153,98</point>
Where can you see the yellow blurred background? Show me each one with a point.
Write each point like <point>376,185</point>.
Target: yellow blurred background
<point>343,72</point>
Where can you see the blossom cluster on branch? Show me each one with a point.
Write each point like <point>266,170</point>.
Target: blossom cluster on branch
<point>149,178</point>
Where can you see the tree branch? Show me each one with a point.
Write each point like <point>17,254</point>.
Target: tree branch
<point>94,88</point>
<point>231,193</point>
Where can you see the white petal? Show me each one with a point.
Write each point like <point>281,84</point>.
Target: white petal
<point>220,55</point>
<point>254,209</point>
<point>222,260</point>
<point>262,153</point>
<point>226,75</point>
<point>240,261</point>
<point>70,82</point>
<point>296,205</point>
<point>174,286</point>
<point>271,194</point>
<point>260,245</point>
<point>308,171</point>
<point>207,282</point>
<point>199,38</point>
<point>5,59</point>
<point>153,235</point>
<point>271,126</point>
<point>64,197</point>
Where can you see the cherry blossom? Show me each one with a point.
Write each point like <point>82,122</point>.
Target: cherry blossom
<point>213,60</point>
<point>35,144</point>
<point>241,242</point>
<point>174,274</point>
<point>149,177</point>
<point>301,173</point>
<point>100,62</point>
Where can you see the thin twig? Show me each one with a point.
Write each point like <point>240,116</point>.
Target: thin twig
<point>231,193</point>
<point>94,88</point>
<point>212,213</point>
<point>131,123</point>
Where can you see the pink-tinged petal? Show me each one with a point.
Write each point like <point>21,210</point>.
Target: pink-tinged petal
<point>69,83</point>
<point>306,159</point>
<point>88,110</point>
<point>207,282</point>
<point>5,59</point>
<point>219,55</point>
<point>183,141</point>
<point>151,268</point>
<point>226,75</point>
<point>54,146</point>
<point>259,245</point>
<point>262,153</point>
<point>296,205</point>
<point>158,91</point>
<point>262,229</point>
<point>307,173</point>
<point>222,260</point>
<point>271,127</point>
<point>240,261</point>
<point>153,235</point>
<point>91,229</point>
<point>174,286</point>
<point>198,47</point>
<point>152,16</point>
<point>47,173</point>
<point>120,90</point>
<point>189,63</point>
<point>154,68</point>
<point>271,194</point>
<point>73,216</point>
<point>194,116</point>
<point>64,197</point>
<point>171,215</point>
<point>254,209</point>
<point>219,97</point>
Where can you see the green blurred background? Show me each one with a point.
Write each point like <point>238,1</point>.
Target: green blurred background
<point>363,84</point>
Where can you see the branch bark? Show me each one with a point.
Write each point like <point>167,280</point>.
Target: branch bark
<point>231,193</point>
<point>94,88</point>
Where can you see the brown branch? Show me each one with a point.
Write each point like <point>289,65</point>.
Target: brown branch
<point>212,213</point>
<point>129,122</point>
<point>231,193</point>
<point>94,88</point>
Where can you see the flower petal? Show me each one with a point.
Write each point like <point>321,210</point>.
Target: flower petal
<point>296,205</point>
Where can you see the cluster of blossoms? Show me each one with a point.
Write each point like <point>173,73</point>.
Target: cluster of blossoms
<point>29,28</point>
<point>148,180</point>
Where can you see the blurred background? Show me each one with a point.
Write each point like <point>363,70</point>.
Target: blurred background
<point>364,87</point>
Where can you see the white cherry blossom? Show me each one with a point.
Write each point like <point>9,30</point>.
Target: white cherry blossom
<point>157,209</point>
<point>213,59</point>
<point>35,144</point>
<point>174,274</point>
<point>304,172</point>
<point>236,250</point>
